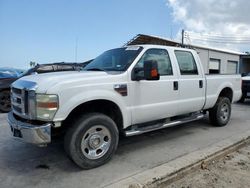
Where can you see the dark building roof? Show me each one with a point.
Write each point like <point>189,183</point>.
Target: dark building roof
<point>148,39</point>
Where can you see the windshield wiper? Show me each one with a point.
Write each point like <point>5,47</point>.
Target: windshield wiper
<point>94,69</point>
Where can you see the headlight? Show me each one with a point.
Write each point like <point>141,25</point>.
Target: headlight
<point>46,106</point>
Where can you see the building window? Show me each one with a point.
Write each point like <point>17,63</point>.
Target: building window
<point>214,66</point>
<point>232,67</point>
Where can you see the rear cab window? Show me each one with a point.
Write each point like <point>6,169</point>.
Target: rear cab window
<point>186,62</point>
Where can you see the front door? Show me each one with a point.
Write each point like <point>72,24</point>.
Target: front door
<point>153,100</point>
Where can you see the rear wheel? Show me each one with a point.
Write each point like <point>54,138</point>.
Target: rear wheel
<point>92,140</point>
<point>5,104</point>
<point>220,114</point>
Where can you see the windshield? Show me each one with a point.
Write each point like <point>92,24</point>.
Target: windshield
<point>114,60</point>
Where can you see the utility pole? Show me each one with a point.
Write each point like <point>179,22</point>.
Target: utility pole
<point>182,38</point>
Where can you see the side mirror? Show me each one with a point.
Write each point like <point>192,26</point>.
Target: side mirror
<point>151,70</point>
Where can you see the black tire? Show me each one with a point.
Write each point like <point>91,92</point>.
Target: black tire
<point>242,99</point>
<point>220,114</point>
<point>79,134</point>
<point>5,104</point>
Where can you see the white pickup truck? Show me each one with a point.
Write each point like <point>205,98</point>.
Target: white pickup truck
<point>129,90</point>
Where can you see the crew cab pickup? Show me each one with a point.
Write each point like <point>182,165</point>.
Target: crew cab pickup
<point>129,90</point>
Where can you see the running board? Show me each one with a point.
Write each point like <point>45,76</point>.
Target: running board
<point>141,130</point>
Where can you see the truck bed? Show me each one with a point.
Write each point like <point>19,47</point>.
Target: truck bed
<point>217,83</point>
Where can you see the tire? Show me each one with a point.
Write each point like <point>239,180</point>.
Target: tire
<point>242,99</point>
<point>5,104</point>
<point>92,140</point>
<point>220,114</point>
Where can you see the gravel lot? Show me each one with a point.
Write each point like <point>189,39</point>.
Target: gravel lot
<point>233,171</point>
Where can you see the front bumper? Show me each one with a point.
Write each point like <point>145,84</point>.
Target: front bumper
<point>34,134</point>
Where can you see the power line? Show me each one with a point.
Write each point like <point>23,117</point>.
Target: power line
<point>234,39</point>
<point>222,42</point>
<point>221,38</point>
<point>219,35</point>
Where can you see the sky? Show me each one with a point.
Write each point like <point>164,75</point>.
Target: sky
<point>47,31</point>
<point>217,23</point>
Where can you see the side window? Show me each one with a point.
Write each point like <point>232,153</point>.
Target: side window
<point>162,58</point>
<point>186,63</point>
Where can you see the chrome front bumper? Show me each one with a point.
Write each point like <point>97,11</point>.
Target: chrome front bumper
<point>34,134</point>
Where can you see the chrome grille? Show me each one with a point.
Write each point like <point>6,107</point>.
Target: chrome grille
<point>15,90</point>
<point>17,109</point>
<point>246,85</point>
<point>19,101</point>
<point>23,98</point>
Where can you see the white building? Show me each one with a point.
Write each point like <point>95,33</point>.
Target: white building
<point>215,61</point>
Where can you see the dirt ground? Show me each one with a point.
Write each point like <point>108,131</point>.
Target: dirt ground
<point>233,171</point>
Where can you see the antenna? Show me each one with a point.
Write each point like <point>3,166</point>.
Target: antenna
<point>171,32</point>
<point>76,48</point>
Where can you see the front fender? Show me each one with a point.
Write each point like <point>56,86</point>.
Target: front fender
<point>68,104</point>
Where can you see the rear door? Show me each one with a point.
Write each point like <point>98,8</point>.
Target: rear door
<point>191,83</point>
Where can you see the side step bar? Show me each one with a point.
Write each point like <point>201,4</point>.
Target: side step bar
<point>145,129</point>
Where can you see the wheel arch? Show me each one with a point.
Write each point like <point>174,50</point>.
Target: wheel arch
<point>227,92</point>
<point>103,106</point>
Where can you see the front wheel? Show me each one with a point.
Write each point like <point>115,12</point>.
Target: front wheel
<point>92,140</point>
<point>220,114</point>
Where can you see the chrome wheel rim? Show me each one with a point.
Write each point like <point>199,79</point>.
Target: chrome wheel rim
<point>96,142</point>
<point>224,112</point>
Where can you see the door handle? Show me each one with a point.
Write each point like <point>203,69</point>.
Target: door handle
<point>175,85</point>
<point>201,83</point>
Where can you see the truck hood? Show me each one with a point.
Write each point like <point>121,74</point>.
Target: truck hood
<point>49,80</point>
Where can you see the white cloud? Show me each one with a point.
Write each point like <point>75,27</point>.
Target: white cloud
<point>228,19</point>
